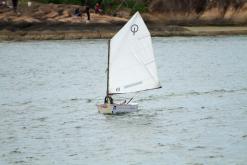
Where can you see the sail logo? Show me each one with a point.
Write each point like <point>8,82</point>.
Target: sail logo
<point>134,28</point>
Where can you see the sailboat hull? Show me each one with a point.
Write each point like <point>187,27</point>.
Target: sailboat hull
<point>117,108</point>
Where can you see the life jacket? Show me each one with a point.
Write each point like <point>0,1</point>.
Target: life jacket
<point>108,100</point>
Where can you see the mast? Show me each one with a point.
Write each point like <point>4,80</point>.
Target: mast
<point>108,67</point>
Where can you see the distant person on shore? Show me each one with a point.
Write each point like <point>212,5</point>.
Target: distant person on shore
<point>87,10</point>
<point>98,8</point>
<point>2,3</point>
<point>77,12</point>
<point>15,4</point>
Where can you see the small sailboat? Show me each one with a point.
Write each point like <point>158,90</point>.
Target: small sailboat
<point>131,65</point>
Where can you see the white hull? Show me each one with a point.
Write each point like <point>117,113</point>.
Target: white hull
<point>117,108</point>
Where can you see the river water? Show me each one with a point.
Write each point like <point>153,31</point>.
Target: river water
<point>49,89</point>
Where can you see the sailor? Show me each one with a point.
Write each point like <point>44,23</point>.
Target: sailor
<point>108,100</point>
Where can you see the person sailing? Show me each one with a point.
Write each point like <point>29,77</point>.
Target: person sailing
<point>108,100</point>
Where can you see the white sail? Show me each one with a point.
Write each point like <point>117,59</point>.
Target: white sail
<point>132,65</point>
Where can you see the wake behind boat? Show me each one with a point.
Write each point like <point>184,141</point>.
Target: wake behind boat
<point>131,65</point>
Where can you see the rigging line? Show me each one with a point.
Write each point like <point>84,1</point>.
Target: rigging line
<point>132,98</point>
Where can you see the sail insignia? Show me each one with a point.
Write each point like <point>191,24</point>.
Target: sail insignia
<point>134,28</point>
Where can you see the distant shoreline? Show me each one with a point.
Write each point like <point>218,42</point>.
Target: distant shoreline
<point>58,21</point>
<point>30,31</point>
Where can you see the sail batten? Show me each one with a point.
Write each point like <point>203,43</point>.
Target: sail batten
<point>132,65</point>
